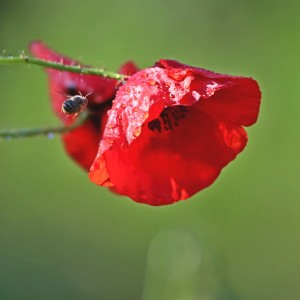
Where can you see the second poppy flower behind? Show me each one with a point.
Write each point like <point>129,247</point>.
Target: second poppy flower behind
<point>171,130</point>
<point>81,143</point>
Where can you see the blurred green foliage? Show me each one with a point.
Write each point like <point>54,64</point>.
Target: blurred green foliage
<point>61,237</point>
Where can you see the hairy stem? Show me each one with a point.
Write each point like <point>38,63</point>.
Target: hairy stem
<point>49,131</point>
<point>23,59</point>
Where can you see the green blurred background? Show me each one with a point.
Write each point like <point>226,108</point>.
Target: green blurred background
<point>62,237</point>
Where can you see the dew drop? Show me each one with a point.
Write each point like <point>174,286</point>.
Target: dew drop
<point>151,82</point>
<point>123,105</point>
<point>196,95</point>
<point>127,90</point>
<point>137,132</point>
<point>50,135</point>
<point>144,75</point>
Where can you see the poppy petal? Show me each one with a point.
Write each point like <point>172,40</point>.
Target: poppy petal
<point>165,140</point>
<point>163,167</point>
<point>82,143</point>
<point>234,98</point>
<point>129,68</point>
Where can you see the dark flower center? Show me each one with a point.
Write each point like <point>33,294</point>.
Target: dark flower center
<point>169,118</point>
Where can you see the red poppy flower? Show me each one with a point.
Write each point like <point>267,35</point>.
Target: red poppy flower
<point>171,130</point>
<point>81,143</point>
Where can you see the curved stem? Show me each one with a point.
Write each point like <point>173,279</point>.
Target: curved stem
<point>23,59</point>
<point>49,131</point>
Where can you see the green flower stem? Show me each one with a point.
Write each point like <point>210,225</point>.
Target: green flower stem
<point>23,59</point>
<point>49,131</point>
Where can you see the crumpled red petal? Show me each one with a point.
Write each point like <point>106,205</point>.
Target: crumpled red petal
<point>162,168</point>
<point>235,98</point>
<point>158,166</point>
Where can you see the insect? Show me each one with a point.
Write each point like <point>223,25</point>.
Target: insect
<point>75,105</point>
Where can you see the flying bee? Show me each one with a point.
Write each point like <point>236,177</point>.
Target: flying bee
<point>74,105</point>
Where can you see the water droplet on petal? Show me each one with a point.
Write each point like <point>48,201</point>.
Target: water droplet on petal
<point>144,75</point>
<point>196,95</point>
<point>151,82</point>
<point>137,132</point>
